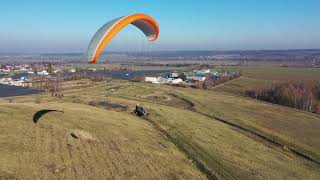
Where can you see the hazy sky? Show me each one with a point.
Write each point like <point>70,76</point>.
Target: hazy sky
<point>67,26</point>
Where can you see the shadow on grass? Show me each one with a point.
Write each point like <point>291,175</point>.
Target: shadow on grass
<point>42,112</point>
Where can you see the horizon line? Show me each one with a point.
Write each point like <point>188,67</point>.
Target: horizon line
<point>135,51</point>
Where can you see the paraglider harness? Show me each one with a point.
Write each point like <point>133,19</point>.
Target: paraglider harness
<point>140,111</point>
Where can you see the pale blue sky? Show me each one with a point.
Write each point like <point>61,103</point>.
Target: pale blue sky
<point>67,26</point>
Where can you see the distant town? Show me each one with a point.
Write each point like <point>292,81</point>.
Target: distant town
<point>195,78</point>
<point>196,69</point>
<point>49,77</point>
<point>21,74</point>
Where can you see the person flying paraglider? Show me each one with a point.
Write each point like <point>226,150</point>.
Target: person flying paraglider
<point>106,33</point>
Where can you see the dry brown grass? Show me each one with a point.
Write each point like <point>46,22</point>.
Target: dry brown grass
<point>110,145</point>
<point>225,150</point>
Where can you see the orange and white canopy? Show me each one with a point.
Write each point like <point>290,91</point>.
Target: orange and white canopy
<point>105,34</point>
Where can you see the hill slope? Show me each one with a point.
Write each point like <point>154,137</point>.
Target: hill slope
<point>226,136</point>
<point>107,144</point>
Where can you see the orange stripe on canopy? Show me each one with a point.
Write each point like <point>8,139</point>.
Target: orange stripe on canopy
<point>120,25</point>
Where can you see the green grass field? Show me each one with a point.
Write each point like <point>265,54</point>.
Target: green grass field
<point>255,77</point>
<point>189,134</point>
<point>277,73</point>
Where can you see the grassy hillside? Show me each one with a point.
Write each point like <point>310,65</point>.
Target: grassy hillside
<point>226,152</point>
<point>291,127</point>
<point>201,125</point>
<point>294,129</point>
<point>109,144</point>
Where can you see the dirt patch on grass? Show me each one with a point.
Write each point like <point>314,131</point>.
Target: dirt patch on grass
<point>113,88</point>
<point>80,134</point>
<point>187,104</point>
<point>170,99</point>
<point>108,105</point>
<point>55,169</point>
<point>157,97</point>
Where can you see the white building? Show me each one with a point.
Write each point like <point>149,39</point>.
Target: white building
<point>177,81</point>
<point>10,81</point>
<point>216,73</point>
<point>206,71</point>
<point>23,69</point>
<point>30,72</point>
<point>5,70</point>
<point>17,83</point>
<point>203,71</point>
<point>43,73</point>
<point>73,70</point>
<point>5,80</point>
<point>151,79</point>
<point>200,78</point>
<point>174,75</point>
<point>197,78</point>
<point>165,80</point>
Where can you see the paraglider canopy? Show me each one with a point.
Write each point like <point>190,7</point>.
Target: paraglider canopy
<point>105,34</point>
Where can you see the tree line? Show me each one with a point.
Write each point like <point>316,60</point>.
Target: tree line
<point>304,95</point>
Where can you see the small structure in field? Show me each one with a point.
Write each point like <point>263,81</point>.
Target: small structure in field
<point>176,81</point>
<point>43,73</point>
<point>174,75</point>
<point>140,111</point>
<point>151,79</point>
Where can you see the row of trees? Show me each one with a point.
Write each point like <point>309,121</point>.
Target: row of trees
<point>212,82</point>
<point>304,95</point>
